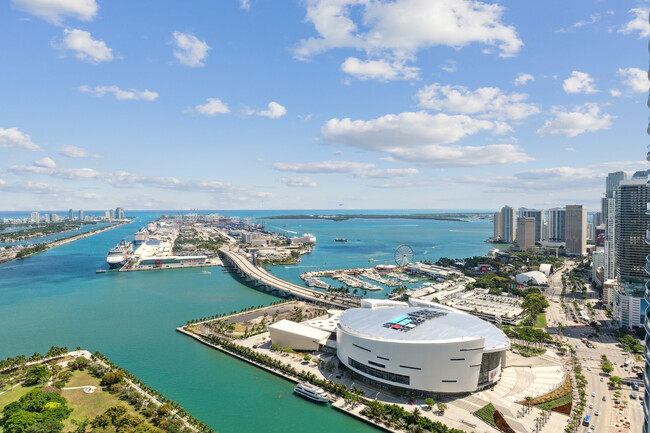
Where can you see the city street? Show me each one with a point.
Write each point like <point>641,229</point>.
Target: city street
<point>606,344</point>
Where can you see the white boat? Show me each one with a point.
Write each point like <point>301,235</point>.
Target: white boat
<point>312,392</point>
<point>119,254</point>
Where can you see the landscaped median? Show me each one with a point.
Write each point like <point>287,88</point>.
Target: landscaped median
<point>559,400</point>
<point>490,415</point>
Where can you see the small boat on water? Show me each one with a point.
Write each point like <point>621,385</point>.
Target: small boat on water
<point>340,240</point>
<point>206,272</point>
<point>312,392</point>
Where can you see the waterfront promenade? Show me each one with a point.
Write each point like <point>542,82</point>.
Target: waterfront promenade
<point>271,283</point>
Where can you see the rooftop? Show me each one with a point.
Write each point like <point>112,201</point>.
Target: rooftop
<point>444,324</point>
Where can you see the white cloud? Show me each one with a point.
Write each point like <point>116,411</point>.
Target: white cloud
<point>55,11</point>
<point>420,138</point>
<point>131,94</point>
<point>449,66</point>
<point>382,70</point>
<point>211,107</point>
<point>523,79</point>
<point>615,92</point>
<point>637,24</point>
<point>12,137</point>
<point>584,118</point>
<point>579,82</point>
<point>360,170</point>
<point>634,78</point>
<point>76,152</point>
<point>84,46</point>
<point>490,101</point>
<point>274,111</point>
<point>323,167</point>
<point>245,4</point>
<point>593,18</point>
<point>403,27</point>
<point>298,182</point>
<point>45,162</point>
<point>190,51</point>
<point>388,173</point>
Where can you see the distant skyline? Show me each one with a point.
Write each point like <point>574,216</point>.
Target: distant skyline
<point>255,104</point>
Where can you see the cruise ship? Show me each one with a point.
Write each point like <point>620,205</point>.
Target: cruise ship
<point>311,392</point>
<point>119,254</point>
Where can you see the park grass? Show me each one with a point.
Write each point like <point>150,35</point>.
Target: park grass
<point>540,321</point>
<point>486,413</point>
<point>14,395</point>
<point>88,405</point>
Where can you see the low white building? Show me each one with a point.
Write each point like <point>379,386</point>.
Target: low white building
<point>546,268</point>
<point>534,278</point>
<point>297,336</point>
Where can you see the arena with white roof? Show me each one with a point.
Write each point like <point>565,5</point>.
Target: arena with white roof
<point>421,347</point>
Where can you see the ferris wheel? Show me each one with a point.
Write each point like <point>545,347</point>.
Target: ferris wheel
<point>404,255</point>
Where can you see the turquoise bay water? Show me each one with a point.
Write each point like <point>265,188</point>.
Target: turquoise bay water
<point>55,298</point>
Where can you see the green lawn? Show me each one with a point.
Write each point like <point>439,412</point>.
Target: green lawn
<point>541,321</point>
<point>83,405</point>
<point>88,405</point>
<point>14,394</point>
<point>486,413</point>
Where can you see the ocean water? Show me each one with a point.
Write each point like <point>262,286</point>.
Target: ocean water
<point>55,298</point>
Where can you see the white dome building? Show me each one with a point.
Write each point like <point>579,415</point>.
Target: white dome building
<point>535,278</point>
<point>420,347</point>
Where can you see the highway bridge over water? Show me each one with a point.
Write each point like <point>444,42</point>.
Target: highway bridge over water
<point>274,285</point>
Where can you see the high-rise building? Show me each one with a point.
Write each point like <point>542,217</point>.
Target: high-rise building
<point>508,227</point>
<point>498,226</point>
<point>70,215</point>
<point>81,214</point>
<point>632,222</point>
<point>112,213</point>
<point>646,322</point>
<point>526,233</point>
<point>610,240</point>
<point>611,185</point>
<point>598,219</point>
<point>107,214</point>
<point>119,213</point>
<point>613,181</point>
<point>590,232</point>
<point>576,229</point>
<point>597,262</point>
<point>538,215</point>
<point>54,217</point>
<point>34,217</point>
<point>557,224</point>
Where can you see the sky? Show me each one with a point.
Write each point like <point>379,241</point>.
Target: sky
<point>319,104</point>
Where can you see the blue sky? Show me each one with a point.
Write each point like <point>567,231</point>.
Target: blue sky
<point>261,104</point>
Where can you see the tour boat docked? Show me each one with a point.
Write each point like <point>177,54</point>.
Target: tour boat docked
<point>311,392</point>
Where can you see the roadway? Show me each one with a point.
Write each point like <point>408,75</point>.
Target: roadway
<point>590,359</point>
<point>263,277</point>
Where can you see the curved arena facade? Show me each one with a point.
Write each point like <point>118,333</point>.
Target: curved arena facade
<point>420,347</point>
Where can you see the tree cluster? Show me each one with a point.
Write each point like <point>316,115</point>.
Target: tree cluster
<point>35,412</point>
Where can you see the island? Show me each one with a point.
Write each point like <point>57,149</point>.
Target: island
<point>459,217</point>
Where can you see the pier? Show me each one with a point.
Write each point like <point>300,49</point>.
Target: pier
<point>274,285</point>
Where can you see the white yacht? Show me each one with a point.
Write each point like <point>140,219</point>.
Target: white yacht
<point>311,392</point>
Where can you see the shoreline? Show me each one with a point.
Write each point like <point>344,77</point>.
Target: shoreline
<point>290,378</point>
<point>67,240</point>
